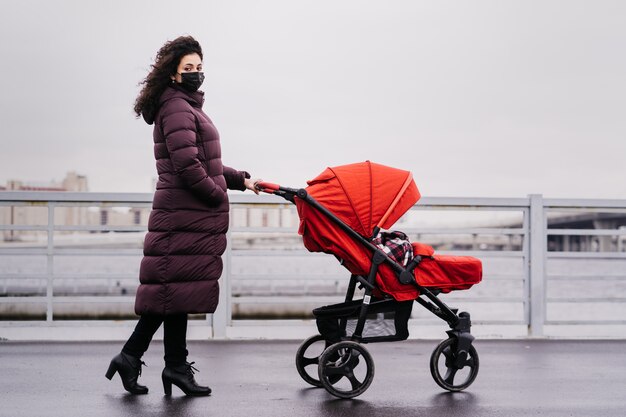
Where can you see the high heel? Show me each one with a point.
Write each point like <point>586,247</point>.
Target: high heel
<point>129,369</point>
<point>182,377</point>
<point>111,371</point>
<point>167,385</point>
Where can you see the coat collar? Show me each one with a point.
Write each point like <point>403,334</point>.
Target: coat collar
<point>196,99</point>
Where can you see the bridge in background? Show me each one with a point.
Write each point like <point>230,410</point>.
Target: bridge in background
<point>573,230</point>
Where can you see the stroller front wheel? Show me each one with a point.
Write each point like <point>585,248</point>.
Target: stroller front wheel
<point>458,372</point>
<point>346,369</point>
<point>315,345</point>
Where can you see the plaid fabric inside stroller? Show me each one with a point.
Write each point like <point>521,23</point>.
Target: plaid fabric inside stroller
<point>342,212</point>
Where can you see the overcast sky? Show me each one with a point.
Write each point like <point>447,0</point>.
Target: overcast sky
<point>476,98</point>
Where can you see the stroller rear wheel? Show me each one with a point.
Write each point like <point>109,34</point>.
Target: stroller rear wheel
<point>315,345</point>
<point>346,369</point>
<point>459,371</point>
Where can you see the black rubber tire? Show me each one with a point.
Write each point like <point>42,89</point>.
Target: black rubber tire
<point>446,348</point>
<point>302,361</point>
<point>338,363</point>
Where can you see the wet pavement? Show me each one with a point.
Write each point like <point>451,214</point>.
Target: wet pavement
<point>258,378</point>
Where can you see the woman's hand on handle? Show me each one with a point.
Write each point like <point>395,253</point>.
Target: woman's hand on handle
<point>251,183</point>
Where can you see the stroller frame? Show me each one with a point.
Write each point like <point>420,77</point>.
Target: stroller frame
<point>339,359</point>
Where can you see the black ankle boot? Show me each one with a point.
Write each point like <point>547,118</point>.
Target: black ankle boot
<point>182,377</point>
<point>129,368</point>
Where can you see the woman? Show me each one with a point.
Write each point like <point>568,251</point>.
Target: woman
<point>187,227</point>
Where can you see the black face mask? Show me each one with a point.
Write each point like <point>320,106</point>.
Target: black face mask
<point>191,81</point>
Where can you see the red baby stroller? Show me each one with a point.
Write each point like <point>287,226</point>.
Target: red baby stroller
<point>342,212</point>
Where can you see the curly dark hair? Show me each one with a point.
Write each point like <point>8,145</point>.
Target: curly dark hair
<point>165,65</point>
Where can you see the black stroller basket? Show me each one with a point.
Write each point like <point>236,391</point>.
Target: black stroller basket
<point>386,320</point>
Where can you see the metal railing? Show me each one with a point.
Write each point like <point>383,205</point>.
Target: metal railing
<point>527,288</point>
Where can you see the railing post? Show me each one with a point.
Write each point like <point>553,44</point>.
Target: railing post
<point>50,263</point>
<point>223,315</point>
<point>537,274</point>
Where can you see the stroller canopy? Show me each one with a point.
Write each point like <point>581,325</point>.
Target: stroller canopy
<point>365,195</point>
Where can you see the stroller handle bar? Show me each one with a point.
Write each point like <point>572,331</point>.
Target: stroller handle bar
<point>267,187</point>
<point>271,188</point>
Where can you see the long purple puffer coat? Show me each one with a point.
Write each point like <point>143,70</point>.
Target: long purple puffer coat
<point>189,219</point>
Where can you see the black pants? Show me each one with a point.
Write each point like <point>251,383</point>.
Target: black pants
<point>174,337</point>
